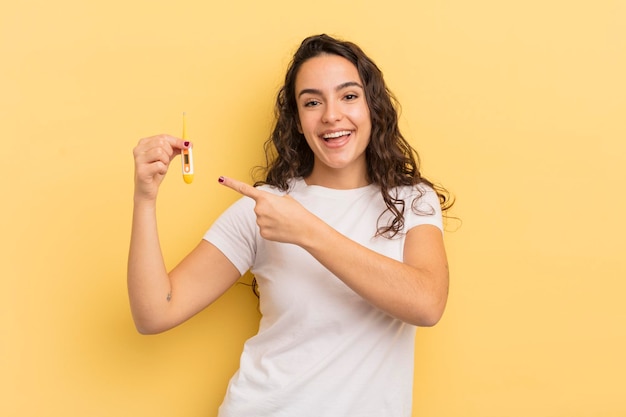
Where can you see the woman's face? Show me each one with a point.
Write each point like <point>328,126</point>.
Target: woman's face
<point>333,115</point>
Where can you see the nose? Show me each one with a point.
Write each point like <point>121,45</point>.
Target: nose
<point>332,112</point>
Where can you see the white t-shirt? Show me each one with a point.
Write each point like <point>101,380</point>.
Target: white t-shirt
<point>321,349</point>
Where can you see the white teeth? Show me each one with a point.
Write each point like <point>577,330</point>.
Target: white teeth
<point>336,134</point>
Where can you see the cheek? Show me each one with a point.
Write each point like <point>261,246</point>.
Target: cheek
<point>306,124</point>
<point>361,114</point>
<point>365,122</point>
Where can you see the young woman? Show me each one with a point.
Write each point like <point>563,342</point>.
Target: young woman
<point>344,238</point>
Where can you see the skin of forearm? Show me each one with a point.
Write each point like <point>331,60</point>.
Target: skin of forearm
<point>148,281</point>
<point>416,296</point>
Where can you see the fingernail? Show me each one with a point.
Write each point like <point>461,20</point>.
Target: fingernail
<point>220,180</point>
<point>186,143</point>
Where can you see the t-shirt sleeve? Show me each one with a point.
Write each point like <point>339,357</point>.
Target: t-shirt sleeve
<point>424,209</point>
<point>235,233</point>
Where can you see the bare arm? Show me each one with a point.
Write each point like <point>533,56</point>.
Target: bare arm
<point>414,290</point>
<point>160,300</point>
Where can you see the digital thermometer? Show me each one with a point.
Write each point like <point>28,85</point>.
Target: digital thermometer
<point>186,157</point>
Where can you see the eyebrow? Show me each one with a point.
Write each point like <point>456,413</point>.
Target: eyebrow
<point>338,88</point>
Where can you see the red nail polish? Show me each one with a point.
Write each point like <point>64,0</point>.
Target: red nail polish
<point>186,143</point>
<point>220,180</point>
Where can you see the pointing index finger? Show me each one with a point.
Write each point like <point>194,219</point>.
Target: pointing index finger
<point>241,187</point>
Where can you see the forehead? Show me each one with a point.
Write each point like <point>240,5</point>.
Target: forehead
<point>326,71</point>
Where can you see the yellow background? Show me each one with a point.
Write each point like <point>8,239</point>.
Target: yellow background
<point>518,107</point>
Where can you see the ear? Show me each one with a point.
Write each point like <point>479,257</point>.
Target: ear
<point>299,126</point>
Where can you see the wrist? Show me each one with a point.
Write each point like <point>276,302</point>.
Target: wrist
<point>143,201</point>
<point>316,232</point>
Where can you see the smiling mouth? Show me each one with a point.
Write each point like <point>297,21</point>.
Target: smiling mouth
<point>335,135</point>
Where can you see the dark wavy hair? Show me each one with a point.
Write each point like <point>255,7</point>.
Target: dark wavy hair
<point>391,161</point>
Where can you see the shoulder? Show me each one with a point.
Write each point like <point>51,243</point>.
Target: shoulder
<point>422,205</point>
<point>417,192</point>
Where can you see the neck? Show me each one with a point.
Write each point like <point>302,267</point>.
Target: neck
<point>340,179</point>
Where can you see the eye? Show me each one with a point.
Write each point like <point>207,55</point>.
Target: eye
<point>311,103</point>
<point>351,97</point>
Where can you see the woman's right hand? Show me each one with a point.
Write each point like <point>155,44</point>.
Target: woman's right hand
<point>152,159</point>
